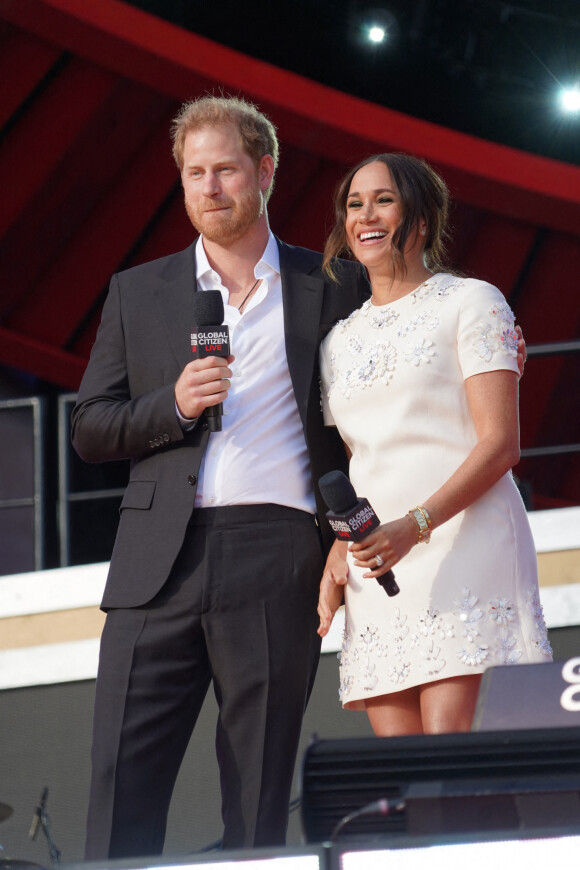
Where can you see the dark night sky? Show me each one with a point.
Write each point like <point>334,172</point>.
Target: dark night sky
<point>484,67</point>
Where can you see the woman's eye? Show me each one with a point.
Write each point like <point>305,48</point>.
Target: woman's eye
<point>354,204</point>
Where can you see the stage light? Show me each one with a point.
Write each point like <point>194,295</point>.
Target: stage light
<point>276,858</point>
<point>570,99</point>
<point>479,854</point>
<point>374,26</point>
<point>377,33</point>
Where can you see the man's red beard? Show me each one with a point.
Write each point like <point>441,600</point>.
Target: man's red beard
<point>226,226</point>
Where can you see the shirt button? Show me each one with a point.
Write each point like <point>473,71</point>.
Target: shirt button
<point>192,479</point>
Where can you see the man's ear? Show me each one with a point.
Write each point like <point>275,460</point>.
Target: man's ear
<point>265,172</point>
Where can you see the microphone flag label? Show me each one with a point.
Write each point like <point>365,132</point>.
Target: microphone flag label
<point>210,341</point>
<point>355,524</point>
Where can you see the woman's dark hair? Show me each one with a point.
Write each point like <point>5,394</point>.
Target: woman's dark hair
<point>423,197</point>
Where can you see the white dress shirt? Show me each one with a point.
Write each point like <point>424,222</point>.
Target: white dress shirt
<point>260,456</point>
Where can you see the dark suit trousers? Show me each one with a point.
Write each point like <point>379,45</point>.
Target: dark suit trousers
<point>238,609</point>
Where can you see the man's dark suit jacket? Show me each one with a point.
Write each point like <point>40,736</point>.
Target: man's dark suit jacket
<point>126,402</point>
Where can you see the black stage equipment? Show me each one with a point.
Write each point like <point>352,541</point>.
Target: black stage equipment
<point>494,781</point>
<point>529,696</point>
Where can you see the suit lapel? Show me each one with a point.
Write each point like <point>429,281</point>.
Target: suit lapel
<point>302,296</point>
<point>174,303</point>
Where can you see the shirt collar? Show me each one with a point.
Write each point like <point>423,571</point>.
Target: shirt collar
<point>269,261</point>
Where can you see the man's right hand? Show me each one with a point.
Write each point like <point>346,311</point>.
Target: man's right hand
<point>201,384</point>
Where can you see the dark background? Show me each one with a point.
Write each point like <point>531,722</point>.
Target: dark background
<point>485,67</point>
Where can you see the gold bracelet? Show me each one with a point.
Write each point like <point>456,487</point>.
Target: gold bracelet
<point>426,515</point>
<point>424,523</point>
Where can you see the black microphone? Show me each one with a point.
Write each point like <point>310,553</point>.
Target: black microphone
<point>351,518</point>
<point>210,336</point>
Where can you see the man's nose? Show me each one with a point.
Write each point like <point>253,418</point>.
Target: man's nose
<point>211,184</point>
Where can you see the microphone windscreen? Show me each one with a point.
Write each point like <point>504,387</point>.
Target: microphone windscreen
<point>208,308</point>
<point>338,492</point>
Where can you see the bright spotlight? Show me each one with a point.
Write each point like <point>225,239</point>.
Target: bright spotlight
<point>377,34</point>
<point>570,99</point>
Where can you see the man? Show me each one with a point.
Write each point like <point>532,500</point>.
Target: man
<point>215,571</point>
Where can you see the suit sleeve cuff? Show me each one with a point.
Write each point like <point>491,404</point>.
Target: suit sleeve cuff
<point>186,423</point>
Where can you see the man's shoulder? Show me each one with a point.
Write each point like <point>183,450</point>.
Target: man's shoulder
<point>297,255</point>
<point>167,267</point>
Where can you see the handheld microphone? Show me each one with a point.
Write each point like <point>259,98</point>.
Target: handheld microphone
<point>351,518</point>
<point>210,336</point>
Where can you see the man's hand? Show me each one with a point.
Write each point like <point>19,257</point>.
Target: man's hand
<point>202,384</point>
<point>334,579</point>
<point>522,352</point>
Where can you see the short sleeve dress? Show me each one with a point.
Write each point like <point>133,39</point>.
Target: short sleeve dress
<point>393,383</point>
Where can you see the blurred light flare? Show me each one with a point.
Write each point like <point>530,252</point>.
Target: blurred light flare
<point>570,99</point>
<point>376,33</point>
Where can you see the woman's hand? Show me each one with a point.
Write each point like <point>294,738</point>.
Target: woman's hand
<point>390,542</point>
<point>334,579</point>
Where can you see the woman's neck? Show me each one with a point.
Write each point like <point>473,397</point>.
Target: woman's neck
<point>389,287</point>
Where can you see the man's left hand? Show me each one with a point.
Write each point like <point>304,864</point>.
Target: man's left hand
<point>522,352</point>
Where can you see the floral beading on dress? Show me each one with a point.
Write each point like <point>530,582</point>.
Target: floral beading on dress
<point>369,363</point>
<point>541,637</point>
<point>497,333</point>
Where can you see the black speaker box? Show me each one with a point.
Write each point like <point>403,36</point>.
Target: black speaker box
<point>494,781</point>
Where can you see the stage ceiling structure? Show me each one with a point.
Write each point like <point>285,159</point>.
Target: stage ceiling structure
<point>88,89</point>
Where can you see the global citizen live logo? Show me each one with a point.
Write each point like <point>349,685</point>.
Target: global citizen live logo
<point>209,342</point>
<point>355,524</point>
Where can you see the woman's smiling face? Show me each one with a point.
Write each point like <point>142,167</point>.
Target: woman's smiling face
<point>373,214</point>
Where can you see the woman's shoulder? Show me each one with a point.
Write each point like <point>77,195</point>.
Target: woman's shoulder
<point>454,281</point>
<point>484,296</point>
<point>466,289</point>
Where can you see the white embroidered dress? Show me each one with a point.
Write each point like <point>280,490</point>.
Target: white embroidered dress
<point>393,383</point>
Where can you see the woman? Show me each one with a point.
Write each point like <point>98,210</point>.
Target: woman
<point>422,383</point>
